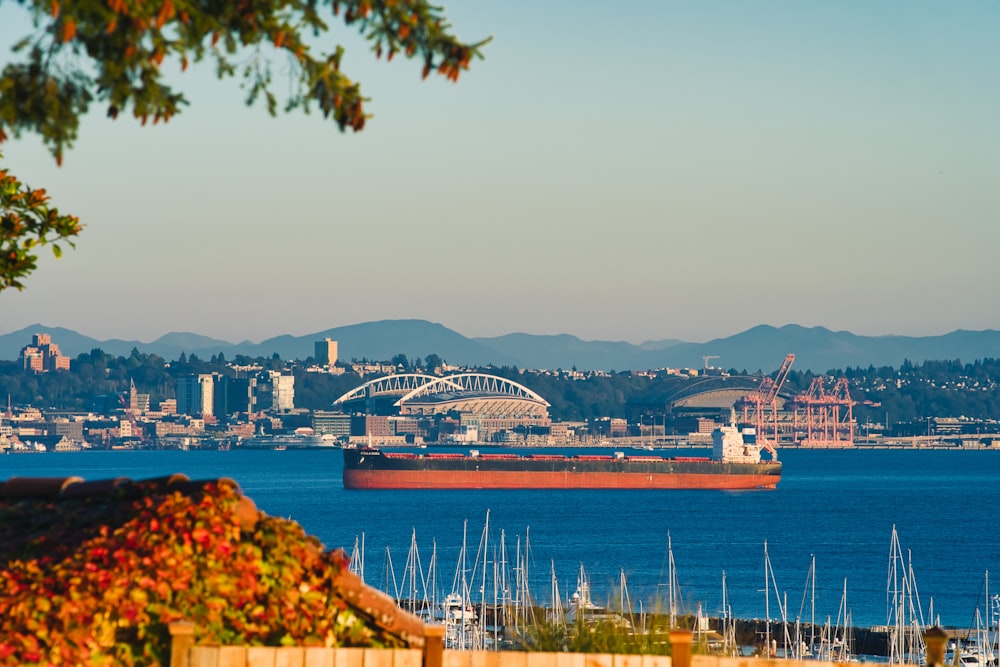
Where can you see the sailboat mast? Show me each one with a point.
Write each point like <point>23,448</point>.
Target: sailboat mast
<point>726,646</point>
<point>767,604</point>
<point>432,578</point>
<point>671,578</point>
<point>482,590</point>
<point>557,608</point>
<point>812,617</point>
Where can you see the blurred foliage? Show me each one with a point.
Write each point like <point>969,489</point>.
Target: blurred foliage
<point>96,580</point>
<point>608,635</point>
<point>27,222</point>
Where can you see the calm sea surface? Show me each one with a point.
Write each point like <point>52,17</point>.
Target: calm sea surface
<point>837,506</point>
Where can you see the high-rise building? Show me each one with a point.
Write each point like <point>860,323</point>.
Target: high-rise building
<point>220,395</point>
<point>43,355</point>
<point>196,394</point>
<point>188,394</point>
<point>241,395</point>
<point>282,391</point>
<point>326,352</point>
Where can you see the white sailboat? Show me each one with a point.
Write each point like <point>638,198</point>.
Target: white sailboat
<point>802,649</point>
<point>357,564</point>
<point>414,596</point>
<point>524,604</point>
<point>624,601</point>
<point>835,641</point>
<point>557,614</point>
<point>729,647</point>
<point>673,587</point>
<point>905,617</point>
<point>770,583</point>
<point>581,606</point>
<point>460,618</point>
<point>389,584</point>
<point>979,647</point>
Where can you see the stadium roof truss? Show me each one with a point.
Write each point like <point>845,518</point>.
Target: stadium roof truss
<point>390,385</point>
<point>466,392</point>
<point>474,392</point>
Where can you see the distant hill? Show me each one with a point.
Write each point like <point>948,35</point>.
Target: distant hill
<point>383,340</point>
<point>565,351</point>
<point>760,348</point>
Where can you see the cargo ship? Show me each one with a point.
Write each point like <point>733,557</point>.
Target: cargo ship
<point>735,464</point>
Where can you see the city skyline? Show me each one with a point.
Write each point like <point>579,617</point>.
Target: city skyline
<point>675,171</point>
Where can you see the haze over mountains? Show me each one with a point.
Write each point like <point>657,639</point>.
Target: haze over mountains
<point>760,348</point>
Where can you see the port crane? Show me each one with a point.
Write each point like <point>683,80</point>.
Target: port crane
<point>827,417</point>
<point>760,407</point>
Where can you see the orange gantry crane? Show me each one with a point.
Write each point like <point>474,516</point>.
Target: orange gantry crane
<point>827,418</point>
<point>760,407</point>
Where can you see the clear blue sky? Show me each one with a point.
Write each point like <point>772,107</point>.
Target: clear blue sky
<point>633,172</point>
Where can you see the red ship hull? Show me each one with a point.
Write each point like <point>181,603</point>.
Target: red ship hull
<point>373,469</point>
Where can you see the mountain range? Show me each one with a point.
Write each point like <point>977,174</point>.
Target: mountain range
<point>760,348</point>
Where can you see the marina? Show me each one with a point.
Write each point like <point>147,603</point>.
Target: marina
<point>837,509</point>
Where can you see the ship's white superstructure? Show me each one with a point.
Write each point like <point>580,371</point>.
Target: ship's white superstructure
<point>730,444</point>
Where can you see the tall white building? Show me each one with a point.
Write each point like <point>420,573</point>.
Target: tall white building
<point>282,391</point>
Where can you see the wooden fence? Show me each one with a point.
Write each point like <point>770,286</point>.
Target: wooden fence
<point>185,654</point>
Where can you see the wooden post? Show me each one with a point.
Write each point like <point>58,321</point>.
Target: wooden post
<point>433,646</point>
<point>680,647</point>
<point>181,639</point>
<point>935,639</point>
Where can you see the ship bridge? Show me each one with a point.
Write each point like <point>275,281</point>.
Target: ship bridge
<point>479,393</point>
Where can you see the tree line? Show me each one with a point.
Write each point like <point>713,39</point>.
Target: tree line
<point>100,381</point>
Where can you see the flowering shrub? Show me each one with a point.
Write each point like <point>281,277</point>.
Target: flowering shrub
<point>96,580</point>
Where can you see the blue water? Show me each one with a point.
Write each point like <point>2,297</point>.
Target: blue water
<point>839,506</point>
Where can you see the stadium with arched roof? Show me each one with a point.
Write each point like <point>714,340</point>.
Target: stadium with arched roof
<point>417,394</point>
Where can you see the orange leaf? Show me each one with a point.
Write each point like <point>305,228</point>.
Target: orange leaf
<point>68,30</point>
